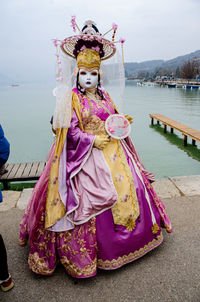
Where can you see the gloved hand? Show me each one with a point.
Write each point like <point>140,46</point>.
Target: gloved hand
<point>101,141</point>
<point>129,118</point>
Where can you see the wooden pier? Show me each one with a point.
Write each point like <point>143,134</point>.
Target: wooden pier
<point>185,130</point>
<point>22,172</point>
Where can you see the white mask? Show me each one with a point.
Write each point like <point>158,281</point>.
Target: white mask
<point>88,79</point>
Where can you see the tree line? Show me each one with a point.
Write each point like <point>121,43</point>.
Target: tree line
<point>189,70</point>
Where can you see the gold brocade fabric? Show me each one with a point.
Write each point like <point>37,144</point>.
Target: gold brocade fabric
<point>55,208</point>
<point>77,256</point>
<point>126,210</point>
<point>88,59</point>
<point>75,271</point>
<point>95,126</point>
<point>92,124</point>
<point>39,264</point>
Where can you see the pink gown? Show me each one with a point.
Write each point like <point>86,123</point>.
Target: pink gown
<point>113,215</point>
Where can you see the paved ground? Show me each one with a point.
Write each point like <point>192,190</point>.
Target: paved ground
<point>170,273</point>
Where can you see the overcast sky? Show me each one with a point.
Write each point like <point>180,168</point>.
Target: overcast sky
<point>153,29</point>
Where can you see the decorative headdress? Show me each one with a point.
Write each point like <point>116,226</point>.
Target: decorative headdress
<point>90,38</point>
<point>89,48</point>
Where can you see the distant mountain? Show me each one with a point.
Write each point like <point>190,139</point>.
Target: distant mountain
<point>179,61</point>
<point>132,69</point>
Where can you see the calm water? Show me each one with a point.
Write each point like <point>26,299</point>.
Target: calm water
<point>25,112</point>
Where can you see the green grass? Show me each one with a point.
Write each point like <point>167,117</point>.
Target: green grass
<point>19,186</point>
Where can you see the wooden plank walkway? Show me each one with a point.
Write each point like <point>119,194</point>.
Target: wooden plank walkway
<point>185,130</point>
<point>22,172</point>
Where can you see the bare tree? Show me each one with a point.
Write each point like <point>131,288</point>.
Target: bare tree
<point>188,70</point>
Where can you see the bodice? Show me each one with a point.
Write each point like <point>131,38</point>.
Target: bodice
<point>94,113</point>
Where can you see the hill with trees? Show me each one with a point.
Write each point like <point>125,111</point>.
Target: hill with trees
<point>153,68</point>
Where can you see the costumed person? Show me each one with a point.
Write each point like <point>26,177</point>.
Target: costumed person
<point>6,282</point>
<point>94,205</point>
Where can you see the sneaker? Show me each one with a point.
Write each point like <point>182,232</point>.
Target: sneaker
<point>7,284</point>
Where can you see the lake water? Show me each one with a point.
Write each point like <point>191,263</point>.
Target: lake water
<point>25,112</point>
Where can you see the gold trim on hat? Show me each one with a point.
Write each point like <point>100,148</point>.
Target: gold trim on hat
<point>88,59</point>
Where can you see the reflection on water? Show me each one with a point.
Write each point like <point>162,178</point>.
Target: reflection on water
<point>192,151</point>
<point>189,94</point>
<point>25,112</point>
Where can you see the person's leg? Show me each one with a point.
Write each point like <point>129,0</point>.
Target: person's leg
<point>5,278</point>
<point>3,263</point>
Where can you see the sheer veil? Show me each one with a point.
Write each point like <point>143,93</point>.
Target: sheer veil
<point>63,91</point>
<point>114,79</point>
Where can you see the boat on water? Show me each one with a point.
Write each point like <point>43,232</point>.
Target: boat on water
<point>192,86</point>
<point>144,83</point>
<point>14,85</point>
<point>171,85</point>
<point>178,85</point>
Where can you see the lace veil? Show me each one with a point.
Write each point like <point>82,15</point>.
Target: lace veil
<point>63,91</point>
<point>113,78</point>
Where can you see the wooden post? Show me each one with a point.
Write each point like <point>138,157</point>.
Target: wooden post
<point>158,123</point>
<point>165,128</point>
<point>185,140</point>
<point>152,121</point>
<point>193,142</point>
<point>172,130</point>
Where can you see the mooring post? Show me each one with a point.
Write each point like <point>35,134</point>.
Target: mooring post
<point>152,121</point>
<point>193,142</point>
<point>165,128</point>
<point>185,140</point>
<point>172,130</point>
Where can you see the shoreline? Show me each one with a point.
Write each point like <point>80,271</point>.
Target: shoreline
<point>167,81</point>
<point>166,188</point>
